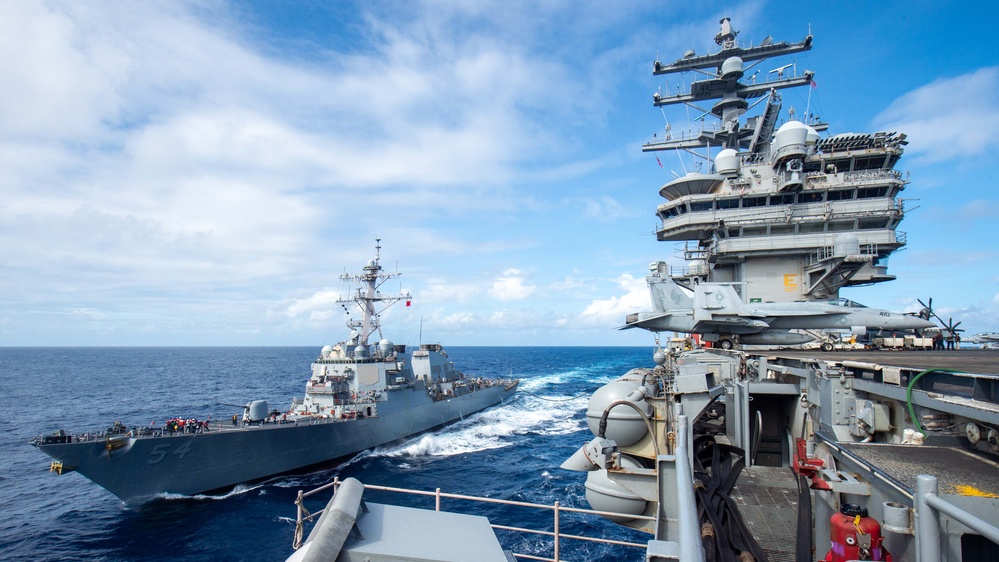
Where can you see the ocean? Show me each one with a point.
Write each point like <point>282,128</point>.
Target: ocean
<point>508,452</point>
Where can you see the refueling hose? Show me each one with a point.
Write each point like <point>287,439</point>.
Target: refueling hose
<point>908,395</point>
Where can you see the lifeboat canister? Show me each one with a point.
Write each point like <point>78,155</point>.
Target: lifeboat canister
<point>604,494</point>
<point>624,425</point>
<point>855,536</point>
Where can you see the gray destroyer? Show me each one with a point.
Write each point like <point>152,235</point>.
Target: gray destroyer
<point>361,394</point>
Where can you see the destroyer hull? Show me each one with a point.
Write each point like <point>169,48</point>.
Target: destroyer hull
<point>134,469</point>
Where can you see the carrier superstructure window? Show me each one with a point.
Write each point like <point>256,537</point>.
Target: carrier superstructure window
<point>871,192</point>
<point>873,223</point>
<point>670,213</point>
<point>840,194</point>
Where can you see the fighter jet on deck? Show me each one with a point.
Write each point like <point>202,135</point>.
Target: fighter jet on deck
<point>988,339</point>
<point>716,312</point>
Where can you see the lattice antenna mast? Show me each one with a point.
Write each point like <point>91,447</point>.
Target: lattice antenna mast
<point>723,71</point>
<point>367,297</point>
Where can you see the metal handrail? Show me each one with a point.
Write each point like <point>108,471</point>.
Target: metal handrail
<point>556,509</point>
<point>927,504</point>
<point>689,523</point>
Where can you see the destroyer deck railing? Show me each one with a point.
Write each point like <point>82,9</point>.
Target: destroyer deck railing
<point>556,508</point>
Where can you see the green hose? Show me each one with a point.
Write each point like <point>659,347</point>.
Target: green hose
<point>908,395</point>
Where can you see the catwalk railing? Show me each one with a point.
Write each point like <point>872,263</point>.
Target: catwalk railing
<point>556,535</point>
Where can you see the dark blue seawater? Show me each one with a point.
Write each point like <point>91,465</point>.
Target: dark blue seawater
<point>510,452</point>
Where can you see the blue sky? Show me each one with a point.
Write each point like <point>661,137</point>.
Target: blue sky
<point>201,173</point>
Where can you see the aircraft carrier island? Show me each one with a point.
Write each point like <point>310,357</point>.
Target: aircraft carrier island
<point>845,451</point>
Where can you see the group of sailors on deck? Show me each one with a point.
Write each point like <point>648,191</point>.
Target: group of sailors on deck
<point>189,425</point>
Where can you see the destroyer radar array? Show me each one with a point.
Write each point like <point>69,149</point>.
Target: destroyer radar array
<point>361,394</point>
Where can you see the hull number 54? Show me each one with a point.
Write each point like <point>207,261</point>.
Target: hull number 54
<point>160,451</point>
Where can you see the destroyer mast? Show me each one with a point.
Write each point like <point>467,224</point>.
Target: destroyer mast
<point>367,295</point>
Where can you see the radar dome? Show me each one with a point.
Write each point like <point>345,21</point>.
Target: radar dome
<point>697,267</point>
<point>385,347</point>
<point>326,351</point>
<point>727,163</point>
<point>846,245</point>
<point>731,69</point>
<point>789,141</point>
<point>812,137</point>
<point>360,351</point>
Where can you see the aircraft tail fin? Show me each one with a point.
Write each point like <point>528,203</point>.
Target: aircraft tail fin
<point>712,300</point>
<point>666,294</point>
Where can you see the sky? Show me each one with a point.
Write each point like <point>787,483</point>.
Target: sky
<point>201,173</point>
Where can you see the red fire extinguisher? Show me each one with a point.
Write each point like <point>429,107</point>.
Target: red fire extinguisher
<point>855,536</point>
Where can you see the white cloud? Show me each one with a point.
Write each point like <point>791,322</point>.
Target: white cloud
<point>570,282</point>
<point>949,118</point>
<point>603,209</point>
<point>59,81</point>
<point>160,150</point>
<point>453,294</point>
<point>320,301</point>
<point>615,309</point>
<point>511,287</point>
<point>461,320</point>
